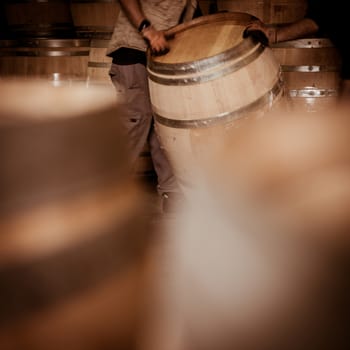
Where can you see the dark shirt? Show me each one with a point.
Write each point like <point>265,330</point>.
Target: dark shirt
<point>332,18</point>
<point>126,56</point>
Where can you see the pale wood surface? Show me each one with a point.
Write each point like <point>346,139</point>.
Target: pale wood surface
<point>202,42</point>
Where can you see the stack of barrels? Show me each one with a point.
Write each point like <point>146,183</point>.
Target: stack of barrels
<point>51,40</point>
<point>311,69</point>
<point>310,66</point>
<point>95,20</point>
<point>62,42</point>
<point>268,11</point>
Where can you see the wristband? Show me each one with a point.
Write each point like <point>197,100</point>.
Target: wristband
<point>143,25</point>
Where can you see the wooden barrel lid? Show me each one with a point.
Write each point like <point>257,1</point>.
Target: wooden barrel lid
<point>204,37</point>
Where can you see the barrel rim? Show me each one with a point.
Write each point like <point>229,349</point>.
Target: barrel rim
<point>93,64</point>
<point>234,17</point>
<point>205,63</point>
<point>305,43</point>
<point>312,92</point>
<point>45,42</point>
<point>222,59</point>
<point>310,68</point>
<point>248,44</point>
<point>39,53</point>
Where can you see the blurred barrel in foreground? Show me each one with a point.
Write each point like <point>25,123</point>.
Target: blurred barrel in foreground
<point>74,235</point>
<point>94,18</point>
<point>268,11</point>
<point>39,19</point>
<point>59,61</point>
<point>211,81</point>
<point>311,71</point>
<point>271,213</point>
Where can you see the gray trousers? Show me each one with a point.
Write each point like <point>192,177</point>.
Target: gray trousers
<point>131,86</point>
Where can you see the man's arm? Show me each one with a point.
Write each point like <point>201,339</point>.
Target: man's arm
<point>276,33</point>
<point>133,11</point>
<point>137,18</point>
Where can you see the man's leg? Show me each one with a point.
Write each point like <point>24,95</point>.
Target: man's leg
<point>166,179</point>
<point>132,92</point>
<point>131,84</point>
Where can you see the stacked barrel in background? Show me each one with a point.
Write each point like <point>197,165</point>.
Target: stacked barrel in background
<point>58,61</point>
<point>95,21</point>
<point>311,69</point>
<point>94,18</point>
<point>62,42</point>
<point>41,43</point>
<point>310,66</point>
<point>268,11</point>
<point>40,19</point>
<point>52,39</point>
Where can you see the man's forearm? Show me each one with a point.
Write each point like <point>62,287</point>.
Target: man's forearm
<point>155,38</point>
<point>300,29</point>
<point>133,11</point>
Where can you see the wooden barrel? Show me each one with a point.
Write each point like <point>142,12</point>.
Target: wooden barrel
<point>39,18</point>
<point>99,63</point>
<point>58,61</point>
<point>74,234</point>
<point>211,81</point>
<point>311,71</point>
<point>94,18</point>
<point>269,11</point>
